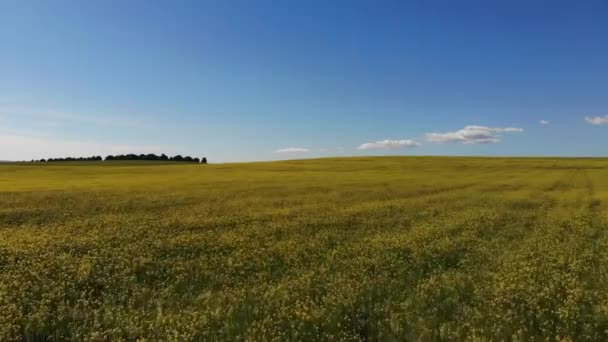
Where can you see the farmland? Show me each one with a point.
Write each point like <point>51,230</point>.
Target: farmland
<point>387,248</point>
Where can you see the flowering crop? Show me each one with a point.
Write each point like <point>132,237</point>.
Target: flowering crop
<point>389,248</point>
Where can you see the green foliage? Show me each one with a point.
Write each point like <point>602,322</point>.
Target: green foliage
<point>348,249</point>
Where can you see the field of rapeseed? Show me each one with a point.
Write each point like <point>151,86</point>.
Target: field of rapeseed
<point>350,249</point>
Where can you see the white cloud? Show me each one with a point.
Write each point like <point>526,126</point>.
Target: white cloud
<point>388,144</point>
<point>597,120</point>
<point>292,150</point>
<point>472,135</point>
<point>544,122</point>
<point>23,147</point>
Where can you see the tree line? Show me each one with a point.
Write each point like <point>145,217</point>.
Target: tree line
<point>162,157</point>
<point>51,160</point>
<point>151,156</point>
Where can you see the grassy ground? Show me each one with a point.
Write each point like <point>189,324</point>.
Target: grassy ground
<point>328,249</point>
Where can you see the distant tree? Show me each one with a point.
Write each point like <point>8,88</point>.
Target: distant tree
<point>150,156</point>
<point>204,160</point>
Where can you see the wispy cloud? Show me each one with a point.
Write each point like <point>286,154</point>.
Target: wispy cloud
<point>388,144</point>
<point>23,147</point>
<point>54,117</point>
<point>292,150</point>
<point>544,122</point>
<point>472,135</point>
<point>597,120</point>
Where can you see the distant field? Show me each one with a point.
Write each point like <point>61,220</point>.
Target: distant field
<point>393,248</point>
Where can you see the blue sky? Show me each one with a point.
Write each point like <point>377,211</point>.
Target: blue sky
<point>264,80</point>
